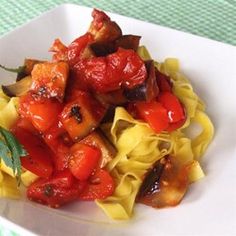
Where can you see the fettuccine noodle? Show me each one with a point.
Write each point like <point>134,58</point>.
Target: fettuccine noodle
<point>139,147</point>
<point>8,184</point>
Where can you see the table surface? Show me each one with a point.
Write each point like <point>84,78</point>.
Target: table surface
<point>214,19</point>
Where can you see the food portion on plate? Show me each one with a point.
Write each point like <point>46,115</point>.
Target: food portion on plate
<point>102,121</point>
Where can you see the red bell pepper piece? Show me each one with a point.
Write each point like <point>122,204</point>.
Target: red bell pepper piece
<point>59,142</point>
<point>49,79</point>
<point>100,186</point>
<point>77,47</point>
<point>84,159</point>
<point>57,190</point>
<point>42,112</point>
<point>105,74</point>
<point>174,107</point>
<point>39,158</point>
<point>82,115</point>
<point>154,114</point>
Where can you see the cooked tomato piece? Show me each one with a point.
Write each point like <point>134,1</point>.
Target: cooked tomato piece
<point>77,49</point>
<point>102,28</point>
<point>105,74</point>
<point>57,190</point>
<point>58,141</point>
<point>39,158</point>
<point>42,112</point>
<point>174,107</point>
<point>98,140</point>
<point>83,160</point>
<point>101,185</point>
<point>59,50</point>
<point>49,79</point>
<point>154,113</point>
<point>64,179</point>
<point>24,123</point>
<point>82,115</point>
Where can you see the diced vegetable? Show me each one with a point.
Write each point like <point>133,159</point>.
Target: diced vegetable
<point>166,184</point>
<point>112,98</point>
<point>42,112</point>
<point>105,74</point>
<point>102,28</point>
<point>128,42</point>
<point>82,115</point>
<point>39,158</point>
<point>19,88</point>
<point>79,49</point>
<point>49,79</point>
<point>146,91</point>
<point>57,190</point>
<point>105,48</point>
<point>83,160</point>
<point>27,68</point>
<point>59,50</point>
<point>174,107</point>
<point>154,114</point>
<point>100,186</point>
<point>98,140</point>
<point>59,142</point>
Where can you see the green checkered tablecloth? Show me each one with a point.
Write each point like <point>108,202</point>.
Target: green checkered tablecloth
<point>215,19</point>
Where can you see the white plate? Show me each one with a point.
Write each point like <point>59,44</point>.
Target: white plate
<point>209,208</point>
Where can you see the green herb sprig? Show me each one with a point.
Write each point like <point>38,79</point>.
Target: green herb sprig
<point>11,151</point>
<point>18,70</point>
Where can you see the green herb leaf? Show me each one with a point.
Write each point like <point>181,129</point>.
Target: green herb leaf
<point>11,151</point>
<point>5,154</point>
<point>18,70</point>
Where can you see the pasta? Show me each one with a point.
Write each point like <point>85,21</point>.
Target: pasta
<point>139,147</point>
<point>8,108</point>
<point>8,116</point>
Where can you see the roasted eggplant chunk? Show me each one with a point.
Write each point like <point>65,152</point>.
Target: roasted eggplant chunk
<point>146,91</point>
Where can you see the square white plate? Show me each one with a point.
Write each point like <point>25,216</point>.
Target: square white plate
<point>209,208</point>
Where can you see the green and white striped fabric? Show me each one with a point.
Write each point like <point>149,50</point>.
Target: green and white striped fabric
<point>215,19</point>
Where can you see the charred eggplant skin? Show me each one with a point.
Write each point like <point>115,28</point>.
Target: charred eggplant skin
<point>125,41</point>
<point>19,88</point>
<point>146,91</point>
<point>151,183</point>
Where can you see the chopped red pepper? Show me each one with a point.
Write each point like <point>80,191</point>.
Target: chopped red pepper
<point>39,158</point>
<point>82,115</point>
<point>154,114</point>
<point>105,74</point>
<point>49,79</point>
<point>84,159</point>
<point>101,185</point>
<point>77,48</point>
<point>57,190</point>
<point>42,112</point>
<point>174,107</point>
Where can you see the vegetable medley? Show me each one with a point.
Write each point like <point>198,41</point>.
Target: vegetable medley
<point>101,121</point>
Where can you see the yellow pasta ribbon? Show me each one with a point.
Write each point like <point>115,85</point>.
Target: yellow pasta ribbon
<point>8,184</point>
<point>8,110</point>
<point>139,147</point>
